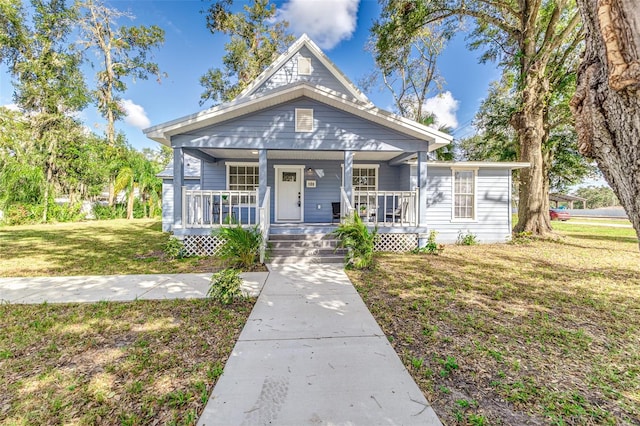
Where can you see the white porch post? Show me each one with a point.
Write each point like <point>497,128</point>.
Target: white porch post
<point>178,182</point>
<point>422,196</point>
<point>262,175</point>
<point>348,175</point>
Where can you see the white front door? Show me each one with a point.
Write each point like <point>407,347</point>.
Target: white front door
<point>289,193</point>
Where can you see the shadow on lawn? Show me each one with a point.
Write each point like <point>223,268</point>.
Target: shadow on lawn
<point>97,247</point>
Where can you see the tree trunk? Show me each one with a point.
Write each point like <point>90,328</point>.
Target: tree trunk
<point>130,201</point>
<point>606,105</point>
<point>533,205</point>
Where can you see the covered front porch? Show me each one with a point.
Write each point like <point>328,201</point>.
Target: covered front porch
<point>299,187</point>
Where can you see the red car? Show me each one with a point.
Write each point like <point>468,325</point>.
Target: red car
<point>559,214</point>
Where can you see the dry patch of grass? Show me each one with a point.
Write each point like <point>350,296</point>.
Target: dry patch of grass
<point>103,247</point>
<point>546,332</point>
<point>144,362</point>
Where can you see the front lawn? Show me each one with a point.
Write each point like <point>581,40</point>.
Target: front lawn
<point>143,362</point>
<point>101,247</point>
<point>546,332</point>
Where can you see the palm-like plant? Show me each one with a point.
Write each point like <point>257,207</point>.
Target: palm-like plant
<point>354,235</point>
<point>241,245</point>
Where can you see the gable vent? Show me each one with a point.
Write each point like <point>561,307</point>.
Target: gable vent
<point>304,65</point>
<point>304,120</point>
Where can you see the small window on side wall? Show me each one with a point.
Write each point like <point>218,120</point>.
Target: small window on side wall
<point>304,120</point>
<point>304,65</point>
<point>464,194</point>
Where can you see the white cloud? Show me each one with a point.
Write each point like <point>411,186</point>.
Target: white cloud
<point>326,22</point>
<point>135,115</point>
<point>444,107</point>
<point>11,107</point>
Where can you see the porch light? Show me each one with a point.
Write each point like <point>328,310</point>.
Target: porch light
<point>309,171</point>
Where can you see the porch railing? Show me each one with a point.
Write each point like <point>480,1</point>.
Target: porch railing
<point>387,208</point>
<point>264,221</point>
<point>346,208</point>
<point>208,209</point>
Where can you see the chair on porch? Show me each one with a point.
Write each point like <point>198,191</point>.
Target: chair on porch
<point>335,211</point>
<point>397,214</point>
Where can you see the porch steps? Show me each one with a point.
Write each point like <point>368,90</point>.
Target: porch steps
<point>304,248</point>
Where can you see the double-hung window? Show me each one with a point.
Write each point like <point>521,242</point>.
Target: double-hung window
<point>243,177</point>
<point>464,194</point>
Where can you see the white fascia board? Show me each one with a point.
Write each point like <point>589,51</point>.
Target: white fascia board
<point>303,41</point>
<point>479,164</point>
<point>163,132</point>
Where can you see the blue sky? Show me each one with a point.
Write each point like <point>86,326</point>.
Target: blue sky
<point>339,27</point>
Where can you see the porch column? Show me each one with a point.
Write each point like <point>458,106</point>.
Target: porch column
<point>262,175</point>
<point>348,175</point>
<point>178,182</point>
<point>422,196</point>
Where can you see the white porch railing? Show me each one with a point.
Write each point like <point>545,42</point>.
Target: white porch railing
<point>387,208</point>
<point>264,221</point>
<point>346,209</point>
<point>208,209</point>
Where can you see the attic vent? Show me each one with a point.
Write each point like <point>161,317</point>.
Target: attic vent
<point>304,65</point>
<point>304,120</point>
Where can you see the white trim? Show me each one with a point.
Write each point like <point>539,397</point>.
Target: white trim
<point>473,219</point>
<point>277,168</point>
<point>230,164</point>
<point>303,41</point>
<point>363,166</point>
<point>162,133</point>
<point>478,164</point>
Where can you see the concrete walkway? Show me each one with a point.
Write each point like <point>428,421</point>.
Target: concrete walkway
<point>312,354</point>
<point>116,287</point>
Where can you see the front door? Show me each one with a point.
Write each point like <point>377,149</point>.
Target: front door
<point>289,193</point>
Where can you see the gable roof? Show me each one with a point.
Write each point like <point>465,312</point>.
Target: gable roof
<point>240,107</point>
<point>303,41</point>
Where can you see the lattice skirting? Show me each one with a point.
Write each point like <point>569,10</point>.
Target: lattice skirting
<point>208,245</point>
<point>201,245</point>
<point>396,242</point>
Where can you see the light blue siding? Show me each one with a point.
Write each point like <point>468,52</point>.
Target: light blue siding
<point>327,188</point>
<point>274,129</point>
<point>288,74</point>
<point>167,200</point>
<point>492,206</point>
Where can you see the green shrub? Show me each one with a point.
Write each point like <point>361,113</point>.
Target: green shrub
<point>431,247</point>
<point>241,246</point>
<point>468,239</point>
<point>117,211</point>
<point>65,212</point>
<point>174,248</point>
<point>225,286</point>
<point>354,235</point>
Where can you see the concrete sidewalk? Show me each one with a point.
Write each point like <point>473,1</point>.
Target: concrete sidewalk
<point>115,287</point>
<point>311,353</point>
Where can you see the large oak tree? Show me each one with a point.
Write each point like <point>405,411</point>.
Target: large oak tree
<point>535,39</point>
<point>606,105</point>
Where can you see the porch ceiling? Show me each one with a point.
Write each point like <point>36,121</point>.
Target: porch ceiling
<point>301,155</point>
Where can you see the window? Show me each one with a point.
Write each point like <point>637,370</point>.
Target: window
<point>304,120</point>
<point>365,178</point>
<point>464,194</point>
<point>243,177</point>
<point>304,65</point>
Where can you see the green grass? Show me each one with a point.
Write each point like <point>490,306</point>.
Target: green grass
<point>144,362</point>
<point>91,248</point>
<point>543,332</point>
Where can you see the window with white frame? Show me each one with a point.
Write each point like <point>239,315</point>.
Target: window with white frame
<point>365,178</point>
<point>243,177</point>
<point>464,194</point>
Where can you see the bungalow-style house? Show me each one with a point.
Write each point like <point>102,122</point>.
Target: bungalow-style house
<point>301,148</point>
